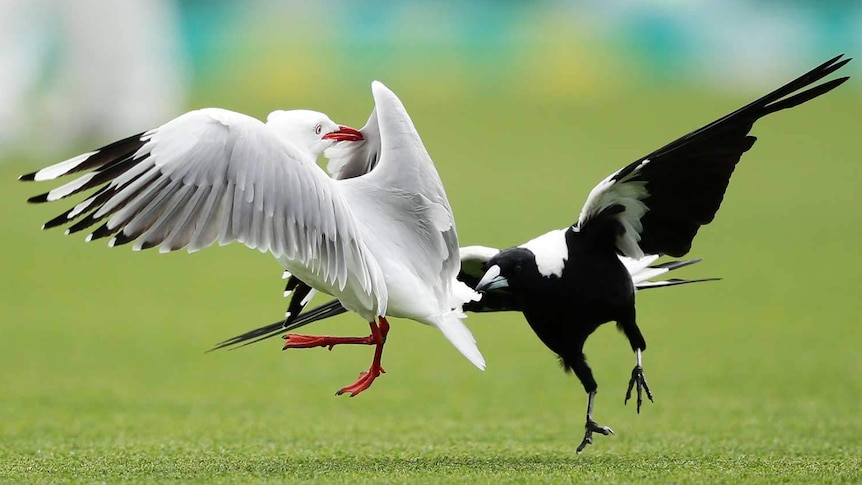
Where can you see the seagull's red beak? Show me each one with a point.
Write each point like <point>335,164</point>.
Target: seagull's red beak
<point>344,133</point>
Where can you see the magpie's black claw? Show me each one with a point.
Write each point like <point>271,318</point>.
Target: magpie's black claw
<point>591,427</point>
<point>638,380</point>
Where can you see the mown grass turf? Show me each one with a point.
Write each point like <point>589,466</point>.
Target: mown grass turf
<point>756,377</point>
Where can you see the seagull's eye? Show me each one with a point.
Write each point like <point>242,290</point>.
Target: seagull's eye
<point>317,129</point>
<point>517,268</point>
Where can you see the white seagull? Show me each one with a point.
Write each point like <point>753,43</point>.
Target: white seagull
<point>384,244</point>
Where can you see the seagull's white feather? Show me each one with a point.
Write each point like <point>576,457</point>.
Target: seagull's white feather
<point>62,168</point>
<point>348,160</point>
<point>214,174</point>
<point>383,243</point>
<point>421,259</point>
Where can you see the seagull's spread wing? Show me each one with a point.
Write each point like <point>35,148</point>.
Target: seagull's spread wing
<point>405,181</point>
<point>656,204</point>
<point>348,160</point>
<point>214,175</point>
<point>402,206</point>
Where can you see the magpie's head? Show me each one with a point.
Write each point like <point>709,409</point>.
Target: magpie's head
<point>513,268</point>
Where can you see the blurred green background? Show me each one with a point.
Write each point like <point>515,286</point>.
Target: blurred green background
<point>524,109</point>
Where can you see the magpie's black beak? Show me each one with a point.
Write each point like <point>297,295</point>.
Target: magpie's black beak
<point>492,280</point>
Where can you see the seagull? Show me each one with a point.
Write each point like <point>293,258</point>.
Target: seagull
<point>384,244</point>
<point>570,281</point>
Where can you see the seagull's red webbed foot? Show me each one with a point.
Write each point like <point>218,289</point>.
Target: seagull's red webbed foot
<point>377,338</point>
<point>378,334</point>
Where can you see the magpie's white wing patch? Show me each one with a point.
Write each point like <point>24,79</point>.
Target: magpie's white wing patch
<point>551,252</point>
<point>624,194</point>
<point>215,175</point>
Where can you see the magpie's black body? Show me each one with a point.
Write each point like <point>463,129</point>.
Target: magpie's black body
<point>588,303</point>
<point>570,281</point>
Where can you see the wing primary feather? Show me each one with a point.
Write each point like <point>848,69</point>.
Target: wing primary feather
<point>118,150</point>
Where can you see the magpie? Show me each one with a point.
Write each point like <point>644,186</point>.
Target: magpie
<point>570,281</point>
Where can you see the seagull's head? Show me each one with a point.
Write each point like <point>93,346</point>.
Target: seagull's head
<point>513,268</point>
<point>311,130</point>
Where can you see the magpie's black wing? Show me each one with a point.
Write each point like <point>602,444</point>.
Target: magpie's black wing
<point>656,204</point>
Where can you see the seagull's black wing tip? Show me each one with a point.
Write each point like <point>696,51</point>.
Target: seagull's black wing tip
<point>38,199</point>
<point>28,177</point>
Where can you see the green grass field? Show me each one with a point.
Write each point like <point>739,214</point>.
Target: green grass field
<point>756,377</point>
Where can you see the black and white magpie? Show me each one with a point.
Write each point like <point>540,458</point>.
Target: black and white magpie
<point>570,281</point>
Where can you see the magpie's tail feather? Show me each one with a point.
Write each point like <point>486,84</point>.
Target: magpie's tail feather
<point>671,282</point>
<point>642,275</point>
<point>252,336</point>
<point>322,312</point>
<point>327,310</point>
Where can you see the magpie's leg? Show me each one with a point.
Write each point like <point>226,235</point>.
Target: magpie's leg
<point>585,374</point>
<point>638,380</point>
<point>636,339</point>
<point>591,426</point>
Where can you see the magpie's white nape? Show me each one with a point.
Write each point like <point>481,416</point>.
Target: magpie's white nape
<point>570,281</point>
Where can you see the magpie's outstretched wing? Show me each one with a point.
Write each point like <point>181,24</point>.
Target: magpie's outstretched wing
<point>656,204</point>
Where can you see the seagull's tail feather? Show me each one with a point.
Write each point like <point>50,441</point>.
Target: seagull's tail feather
<point>460,336</point>
<point>642,274</point>
<point>450,323</point>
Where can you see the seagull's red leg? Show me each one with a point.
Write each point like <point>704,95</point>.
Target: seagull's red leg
<point>298,341</point>
<point>367,378</point>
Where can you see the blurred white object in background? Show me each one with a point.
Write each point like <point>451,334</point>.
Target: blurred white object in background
<point>20,52</point>
<point>111,68</point>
